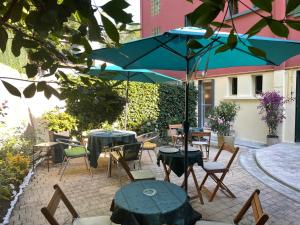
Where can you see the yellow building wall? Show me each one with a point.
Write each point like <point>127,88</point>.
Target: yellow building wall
<point>248,125</point>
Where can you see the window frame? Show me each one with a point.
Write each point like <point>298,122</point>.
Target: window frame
<point>233,90</point>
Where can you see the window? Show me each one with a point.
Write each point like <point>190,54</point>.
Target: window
<point>258,84</point>
<point>233,7</point>
<point>155,7</point>
<point>155,31</point>
<point>205,101</point>
<point>233,81</point>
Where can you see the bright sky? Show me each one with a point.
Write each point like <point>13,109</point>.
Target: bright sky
<point>134,8</point>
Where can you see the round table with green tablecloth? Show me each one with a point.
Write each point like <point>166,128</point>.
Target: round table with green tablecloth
<point>99,139</point>
<point>152,202</point>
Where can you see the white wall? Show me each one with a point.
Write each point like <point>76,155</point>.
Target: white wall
<point>18,108</point>
<point>248,125</point>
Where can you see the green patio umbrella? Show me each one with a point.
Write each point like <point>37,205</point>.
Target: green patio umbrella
<point>169,51</point>
<point>113,72</point>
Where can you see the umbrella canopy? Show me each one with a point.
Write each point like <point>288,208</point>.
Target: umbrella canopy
<point>169,51</point>
<point>113,72</point>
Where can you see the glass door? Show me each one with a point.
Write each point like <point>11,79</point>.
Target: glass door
<point>205,101</point>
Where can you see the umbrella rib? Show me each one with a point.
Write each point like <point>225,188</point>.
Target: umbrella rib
<point>249,53</point>
<point>146,53</point>
<point>204,48</point>
<point>169,48</point>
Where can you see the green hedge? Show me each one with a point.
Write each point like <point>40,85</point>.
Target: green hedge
<point>153,106</point>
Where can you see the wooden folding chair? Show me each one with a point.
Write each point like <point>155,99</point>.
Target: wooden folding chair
<point>202,139</point>
<point>260,218</point>
<point>148,143</point>
<point>173,133</point>
<point>215,167</point>
<point>58,196</point>
<point>134,175</point>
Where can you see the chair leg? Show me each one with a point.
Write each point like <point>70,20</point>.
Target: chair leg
<point>63,171</point>
<point>150,155</point>
<point>203,181</point>
<point>62,164</point>
<point>88,166</point>
<point>197,185</point>
<point>109,165</point>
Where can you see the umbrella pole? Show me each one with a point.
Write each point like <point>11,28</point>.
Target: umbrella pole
<point>186,127</point>
<point>126,106</point>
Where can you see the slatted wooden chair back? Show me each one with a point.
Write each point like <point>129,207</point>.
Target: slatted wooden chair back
<point>50,210</point>
<point>173,128</point>
<point>260,218</point>
<point>229,148</point>
<point>199,135</point>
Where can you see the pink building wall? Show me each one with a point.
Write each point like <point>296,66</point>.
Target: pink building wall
<point>172,14</point>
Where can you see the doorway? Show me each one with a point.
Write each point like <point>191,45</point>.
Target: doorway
<point>205,100</point>
<point>297,119</point>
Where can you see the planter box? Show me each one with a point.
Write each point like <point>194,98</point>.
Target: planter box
<point>227,139</point>
<point>272,140</point>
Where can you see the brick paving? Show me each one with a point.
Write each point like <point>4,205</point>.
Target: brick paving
<point>92,196</point>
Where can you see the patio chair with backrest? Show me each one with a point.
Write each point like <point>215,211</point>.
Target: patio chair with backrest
<point>134,175</point>
<point>173,133</point>
<point>72,149</point>
<point>148,143</point>
<point>260,218</point>
<point>215,167</point>
<point>58,196</point>
<point>202,139</point>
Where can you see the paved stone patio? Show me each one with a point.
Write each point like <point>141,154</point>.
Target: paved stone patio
<point>93,196</point>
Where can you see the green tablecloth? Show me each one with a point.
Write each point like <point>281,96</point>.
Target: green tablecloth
<point>176,160</point>
<point>99,139</point>
<point>169,205</point>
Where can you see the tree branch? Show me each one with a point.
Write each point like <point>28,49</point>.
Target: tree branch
<point>30,81</point>
<point>6,16</point>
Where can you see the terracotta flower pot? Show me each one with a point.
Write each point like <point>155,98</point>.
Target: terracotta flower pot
<point>228,139</point>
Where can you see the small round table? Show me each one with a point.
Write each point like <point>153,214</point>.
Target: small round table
<point>152,202</point>
<point>101,138</point>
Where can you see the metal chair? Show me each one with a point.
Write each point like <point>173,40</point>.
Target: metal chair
<point>148,144</point>
<point>72,149</point>
<point>134,175</point>
<point>215,167</point>
<point>201,139</point>
<point>173,133</point>
<point>58,196</point>
<point>260,218</point>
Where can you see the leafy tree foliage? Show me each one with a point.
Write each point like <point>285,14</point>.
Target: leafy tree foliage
<point>91,101</point>
<point>53,31</point>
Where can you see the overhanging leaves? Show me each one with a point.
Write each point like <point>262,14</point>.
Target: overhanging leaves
<point>257,51</point>
<point>291,5</point>
<point>203,15</point>
<point>194,44</point>
<point>29,91</point>
<point>110,29</point>
<point>3,39</point>
<point>257,27</point>
<point>265,5</point>
<point>294,24</point>
<point>114,9</point>
<point>31,70</point>
<point>11,89</point>
<point>278,28</point>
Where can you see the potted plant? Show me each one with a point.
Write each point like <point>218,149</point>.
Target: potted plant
<point>271,111</point>
<point>221,119</point>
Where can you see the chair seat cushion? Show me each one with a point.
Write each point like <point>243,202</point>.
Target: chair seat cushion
<point>95,220</point>
<point>203,222</point>
<point>75,152</point>
<point>149,145</point>
<point>142,175</point>
<point>213,166</point>
<point>199,143</point>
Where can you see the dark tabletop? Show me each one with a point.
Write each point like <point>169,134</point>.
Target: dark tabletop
<point>99,139</point>
<point>176,160</point>
<point>166,203</point>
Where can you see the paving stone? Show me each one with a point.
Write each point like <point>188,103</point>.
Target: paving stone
<point>92,197</point>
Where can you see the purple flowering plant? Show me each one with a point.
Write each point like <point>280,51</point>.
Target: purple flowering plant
<point>222,117</point>
<point>271,110</point>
